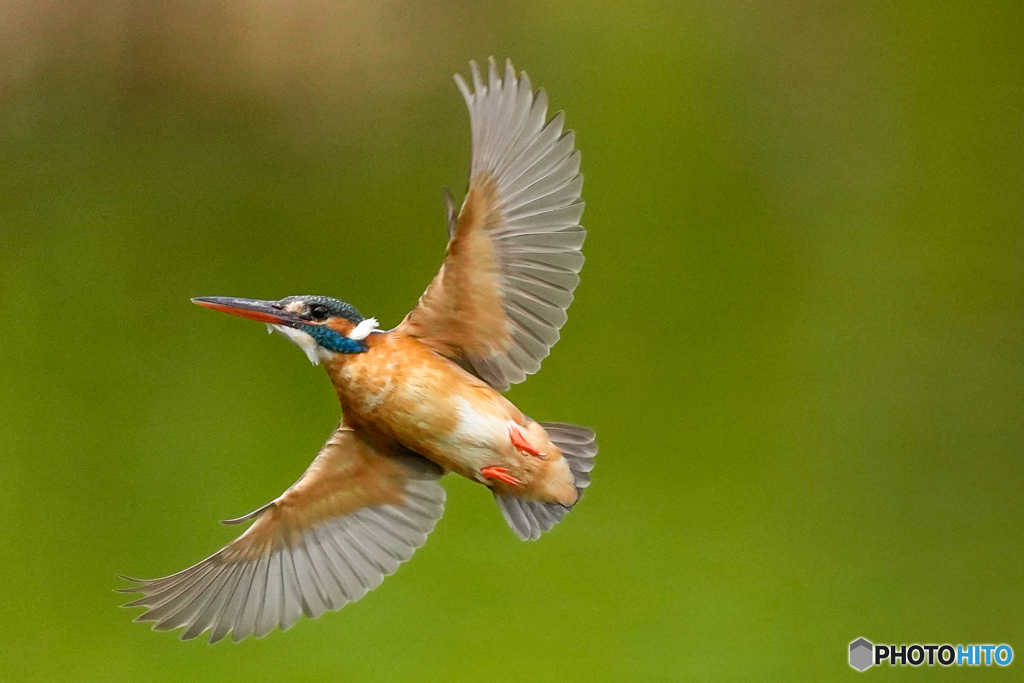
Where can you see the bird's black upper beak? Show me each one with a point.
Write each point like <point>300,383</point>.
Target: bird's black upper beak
<point>253,309</point>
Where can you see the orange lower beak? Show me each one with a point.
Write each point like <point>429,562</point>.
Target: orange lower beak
<point>253,309</point>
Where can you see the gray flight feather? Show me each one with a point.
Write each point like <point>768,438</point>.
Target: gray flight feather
<point>327,566</point>
<point>538,239</point>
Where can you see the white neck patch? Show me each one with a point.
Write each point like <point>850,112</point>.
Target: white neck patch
<point>300,339</point>
<point>363,329</point>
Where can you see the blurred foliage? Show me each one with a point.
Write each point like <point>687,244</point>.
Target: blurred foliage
<point>798,333</point>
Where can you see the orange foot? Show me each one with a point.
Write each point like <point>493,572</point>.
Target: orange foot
<point>500,474</point>
<point>520,442</point>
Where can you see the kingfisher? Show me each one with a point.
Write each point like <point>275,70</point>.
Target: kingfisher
<point>420,400</point>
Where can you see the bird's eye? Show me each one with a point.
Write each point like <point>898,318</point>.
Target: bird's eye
<point>319,312</point>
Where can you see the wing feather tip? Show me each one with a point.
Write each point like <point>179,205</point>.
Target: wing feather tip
<point>463,87</point>
<point>478,85</point>
<point>248,516</point>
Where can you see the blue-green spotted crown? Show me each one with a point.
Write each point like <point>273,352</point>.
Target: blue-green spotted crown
<point>335,307</point>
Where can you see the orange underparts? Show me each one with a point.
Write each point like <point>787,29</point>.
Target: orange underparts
<point>520,442</point>
<point>500,474</point>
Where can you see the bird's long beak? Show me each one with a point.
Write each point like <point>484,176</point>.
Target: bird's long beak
<point>253,309</point>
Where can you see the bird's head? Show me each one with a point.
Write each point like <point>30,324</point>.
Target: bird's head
<point>319,325</point>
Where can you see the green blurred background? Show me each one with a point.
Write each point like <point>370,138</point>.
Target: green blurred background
<point>798,334</point>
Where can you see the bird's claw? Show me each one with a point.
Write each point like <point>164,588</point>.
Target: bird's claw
<point>524,446</point>
<point>500,474</point>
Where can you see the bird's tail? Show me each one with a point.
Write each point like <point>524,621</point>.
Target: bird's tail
<point>530,518</point>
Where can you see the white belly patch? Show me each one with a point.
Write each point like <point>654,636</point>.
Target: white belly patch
<point>478,439</point>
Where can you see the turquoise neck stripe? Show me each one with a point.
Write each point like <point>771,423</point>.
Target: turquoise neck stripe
<point>334,341</point>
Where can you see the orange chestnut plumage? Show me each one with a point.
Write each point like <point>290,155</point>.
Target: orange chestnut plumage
<point>421,399</point>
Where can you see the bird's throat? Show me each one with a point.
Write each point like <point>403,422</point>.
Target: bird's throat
<point>319,342</point>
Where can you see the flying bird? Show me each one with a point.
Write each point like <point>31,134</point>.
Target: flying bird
<point>420,400</point>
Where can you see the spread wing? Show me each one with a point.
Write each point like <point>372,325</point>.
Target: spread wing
<point>358,512</point>
<point>512,261</point>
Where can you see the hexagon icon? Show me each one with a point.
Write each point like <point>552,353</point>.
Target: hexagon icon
<point>861,654</point>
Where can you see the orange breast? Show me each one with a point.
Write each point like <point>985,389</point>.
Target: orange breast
<point>401,389</point>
